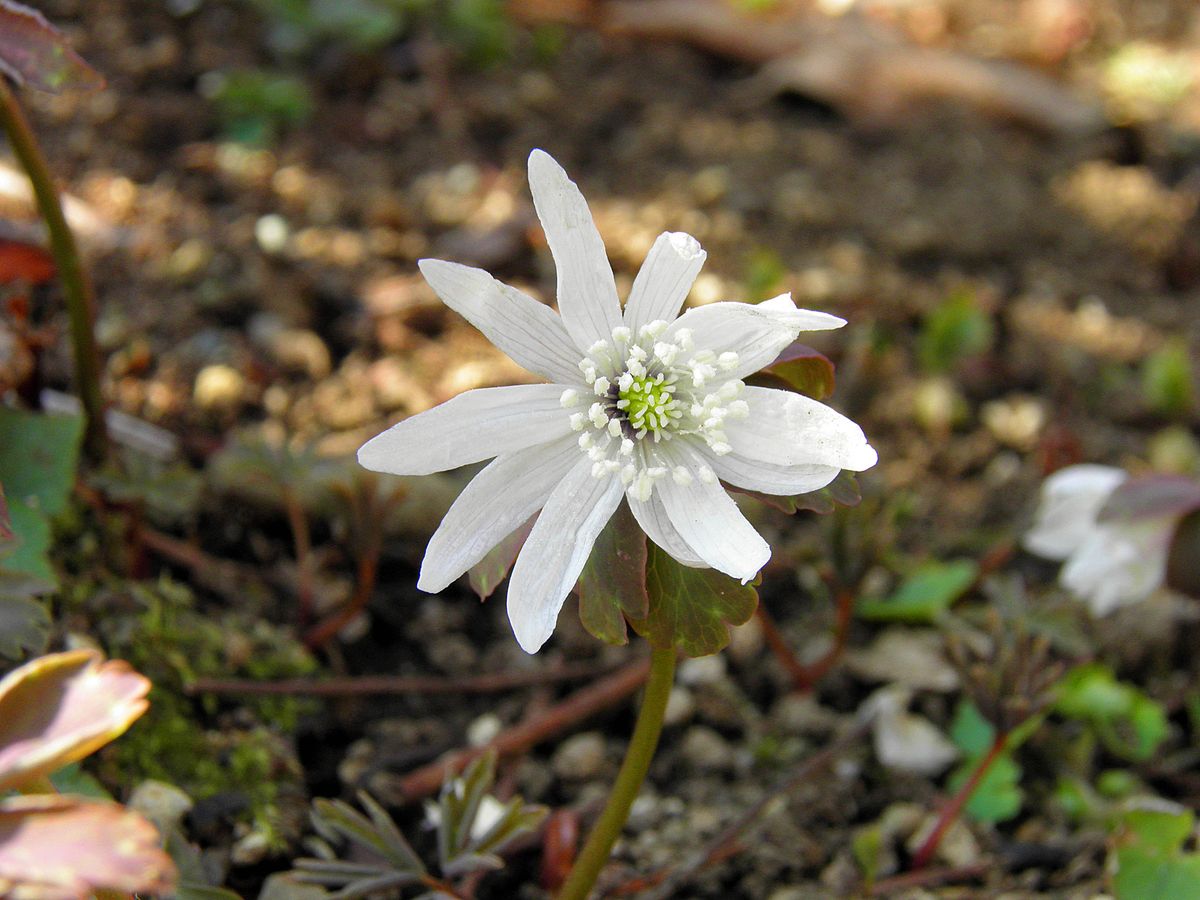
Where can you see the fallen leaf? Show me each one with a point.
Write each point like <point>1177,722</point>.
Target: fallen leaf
<point>54,847</point>
<point>60,707</point>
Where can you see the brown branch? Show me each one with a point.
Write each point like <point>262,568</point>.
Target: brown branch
<point>392,684</point>
<point>891,887</point>
<point>581,705</point>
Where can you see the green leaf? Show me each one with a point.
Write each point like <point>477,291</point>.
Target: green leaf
<point>998,796</point>
<point>1129,723</point>
<point>24,627</point>
<point>34,52</point>
<point>798,368</point>
<point>72,779</point>
<point>24,565</point>
<point>692,609</point>
<point>927,593</point>
<point>612,585</point>
<point>1148,862</point>
<point>485,576</point>
<point>38,457</point>
<point>953,331</point>
<point>1167,379</point>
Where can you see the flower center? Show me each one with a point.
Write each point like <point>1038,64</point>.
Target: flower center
<point>648,403</point>
<point>646,390</point>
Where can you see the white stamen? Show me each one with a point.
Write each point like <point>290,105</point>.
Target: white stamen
<point>625,382</point>
<point>706,475</point>
<point>621,334</point>
<point>626,447</point>
<point>601,386</point>
<point>577,420</point>
<point>683,337</point>
<point>727,360</point>
<point>614,427</point>
<point>569,398</point>
<point>585,441</point>
<point>681,476</point>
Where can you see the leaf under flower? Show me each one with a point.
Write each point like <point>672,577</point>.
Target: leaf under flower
<point>35,53</point>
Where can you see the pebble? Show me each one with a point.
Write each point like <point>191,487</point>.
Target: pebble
<point>218,387</point>
<point>681,706</point>
<point>703,670</point>
<point>746,641</point>
<point>580,757</point>
<point>484,729</point>
<point>706,750</point>
<point>249,850</point>
<point>163,804</point>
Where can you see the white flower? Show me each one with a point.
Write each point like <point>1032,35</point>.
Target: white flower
<point>643,403</point>
<point>1109,564</point>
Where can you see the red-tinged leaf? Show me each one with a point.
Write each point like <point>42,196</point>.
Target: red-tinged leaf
<point>612,586</point>
<point>1151,497</point>
<point>692,609</point>
<point>6,530</point>
<point>26,263</point>
<point>35,53</point>
<point>560,840</point>
<point>59,708</point>
<point>485,576</point>
<point>54,847</point>
<point>842,491</point>
<point>798,368</point>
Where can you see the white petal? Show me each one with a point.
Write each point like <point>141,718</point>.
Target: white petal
<point>709,522</point>
<point>496,502</point>
<point>1070,501</point>
<point>587,294</point>
<point>556,550</point>
<point>1119,564</point>
<point>769,478</point>
<point>652,518</point>
<point>475,425</point>
<point>789,429</point>
<point>529,332</point>
<point>756,333</point>
<point>663,282</point>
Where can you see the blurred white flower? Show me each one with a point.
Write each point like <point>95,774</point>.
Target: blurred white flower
<point>642,403</point>
<point>1109,562</point>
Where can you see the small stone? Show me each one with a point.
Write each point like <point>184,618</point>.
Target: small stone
<point>746,641</point>
<point>912,657</point>
<point>703,670</point>
<point>484,729</point>
<point>163,804</point>
<point>706,750</point>
<point>249,850</point>
<point>580,757</point>
<point>905,741</point>
<point>681,706</point>
<point>219,387</point>
<point>958,846</point>
<point>802,714</point>
<point>272,232</point>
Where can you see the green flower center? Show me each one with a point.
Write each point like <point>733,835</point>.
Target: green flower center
<point>648,403</point>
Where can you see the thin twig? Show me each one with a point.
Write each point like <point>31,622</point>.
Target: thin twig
<point>393,684</point>
<point>302,542</point>
<point>586,702</point>
<point>81,303</point>
<point>891,887</point>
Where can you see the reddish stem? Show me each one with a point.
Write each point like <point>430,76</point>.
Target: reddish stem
<point>805,677</point>
<point>368,570</point>
<point>302,541</point>
<point>951,810</point>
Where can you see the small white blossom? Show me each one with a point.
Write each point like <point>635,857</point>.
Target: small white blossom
<point>1108,564</point>
<point>643,403</point>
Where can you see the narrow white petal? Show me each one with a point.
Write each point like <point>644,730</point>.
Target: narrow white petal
<point>771,478</point>
<point>756,333</point>
<point>653,519</point>
<point>496,502</point>
<point>556,550</point>
<point>789,429</point>
<point>1118,564</point>
<point>529,332</point>
<point>587,294</point>
<point>1071,499</point>
<point>473,426</point>
<point>710,523</point>
<point>663,282</point>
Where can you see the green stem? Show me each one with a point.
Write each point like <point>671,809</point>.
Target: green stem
<point>76,287</point>
<point>641,748</point>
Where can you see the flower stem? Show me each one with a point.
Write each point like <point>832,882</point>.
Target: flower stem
<point>641,749</point>
<point>76,287</point>
<point>952,809</point>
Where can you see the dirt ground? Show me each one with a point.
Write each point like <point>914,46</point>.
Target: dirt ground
<point>272,292</point>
